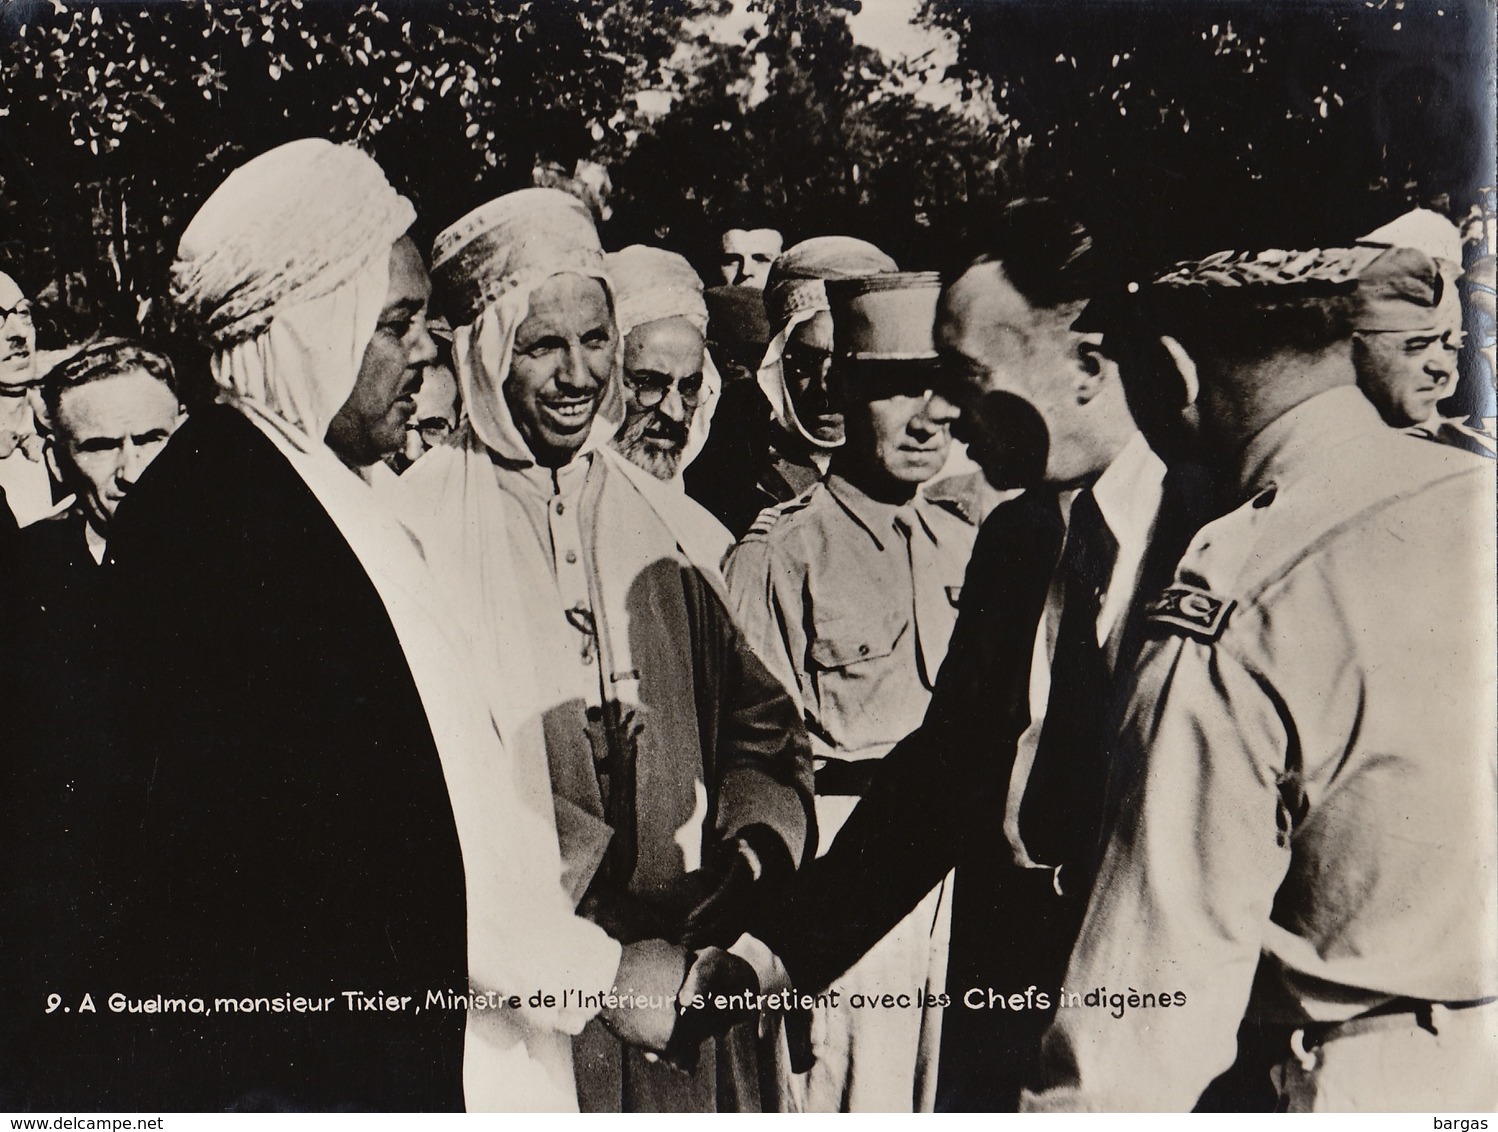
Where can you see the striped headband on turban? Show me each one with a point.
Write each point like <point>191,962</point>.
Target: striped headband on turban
<point>795,282</point>
<point>651,284</point>
<point>284,272</point>
<point>515,239</point>
<point>795,293</point>
<point>485,268</point>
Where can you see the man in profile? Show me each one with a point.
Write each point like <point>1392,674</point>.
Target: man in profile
<point>314,768</point>
<point>1409,329</point>
<point>1305,826</point>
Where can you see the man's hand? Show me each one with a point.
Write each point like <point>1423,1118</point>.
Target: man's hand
<point>744,869</point>
<point>647,984</point>
<point>720,991</point>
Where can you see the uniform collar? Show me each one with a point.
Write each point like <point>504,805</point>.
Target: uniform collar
<point>1307,431</point>
<point>873,516</point>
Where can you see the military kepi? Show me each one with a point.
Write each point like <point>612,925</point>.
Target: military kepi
<point>884,318</point>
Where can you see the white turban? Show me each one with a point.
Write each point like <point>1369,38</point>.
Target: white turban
<point>284,271</point>
<point>794,294</point>
<point>486,267</point>
<point>286,268</point>
<point>651,284</point>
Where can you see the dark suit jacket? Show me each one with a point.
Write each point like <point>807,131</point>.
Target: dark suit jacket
<point>7,527</point>
<point>284,828</point>
<point>937,801</point>
<point>53,760</point>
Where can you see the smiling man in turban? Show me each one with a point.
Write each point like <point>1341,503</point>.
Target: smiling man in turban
<point>679,765</point>
<point>330,816</point>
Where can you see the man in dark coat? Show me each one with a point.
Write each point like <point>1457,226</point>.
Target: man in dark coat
<point>109,410</point>
<point>297,833</point>
<point>1007,778</point>
<point>287,867</point>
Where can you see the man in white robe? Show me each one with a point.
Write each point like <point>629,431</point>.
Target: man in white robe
<point>679,766</point>
<point>309,721</point>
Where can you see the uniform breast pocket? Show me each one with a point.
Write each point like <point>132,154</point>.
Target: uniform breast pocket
<point>843,638</point>
<point>855,658</point>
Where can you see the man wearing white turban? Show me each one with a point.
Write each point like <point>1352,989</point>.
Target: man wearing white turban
<point>669,378</point>
<point>793,375</point>
<point>330,830</point>
<point>670,385</point>
<point>679,766</point>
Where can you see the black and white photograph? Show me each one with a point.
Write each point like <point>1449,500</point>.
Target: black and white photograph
<point>776,556</point>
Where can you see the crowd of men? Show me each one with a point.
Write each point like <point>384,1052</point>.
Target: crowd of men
<point>540,681</point>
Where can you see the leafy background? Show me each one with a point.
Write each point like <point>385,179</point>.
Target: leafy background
<point>1183,126</point>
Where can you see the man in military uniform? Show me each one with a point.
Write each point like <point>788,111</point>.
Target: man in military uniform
<point>848,592</point>
<point>1305,827</point>
<point>1409,329</point>
<point>1007,774</point>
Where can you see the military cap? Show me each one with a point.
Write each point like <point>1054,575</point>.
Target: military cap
<point>885,318</point>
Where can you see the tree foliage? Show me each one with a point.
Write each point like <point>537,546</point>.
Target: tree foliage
<point>1257,121</point>
<point>1185,123</point>
<point>118,119</point>
<point>800,127</point>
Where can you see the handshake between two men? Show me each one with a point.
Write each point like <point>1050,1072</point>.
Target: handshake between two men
<point>677,985</point>
<point>670,1000</point>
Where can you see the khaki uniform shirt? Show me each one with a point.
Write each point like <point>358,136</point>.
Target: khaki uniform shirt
<point>823,589</point>
<point>1312,735</point>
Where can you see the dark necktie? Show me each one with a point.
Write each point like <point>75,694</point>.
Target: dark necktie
<point>1063,800</point>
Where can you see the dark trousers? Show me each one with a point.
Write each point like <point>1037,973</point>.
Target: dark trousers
<point>1007,936</point>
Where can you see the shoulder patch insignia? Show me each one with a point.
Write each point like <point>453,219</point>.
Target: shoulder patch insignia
<point>1193,610</point>
<point>964,509</point>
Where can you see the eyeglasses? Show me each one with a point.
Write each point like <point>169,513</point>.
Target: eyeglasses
<point>650,389</point>
<point>21,312</point>
<point>433,430</point>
